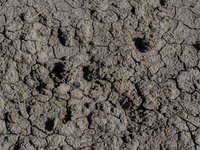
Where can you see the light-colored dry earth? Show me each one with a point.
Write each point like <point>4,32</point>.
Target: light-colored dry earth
<point>100,75</point>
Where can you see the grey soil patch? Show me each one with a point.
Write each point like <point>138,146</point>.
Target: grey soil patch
<point>90,74</point>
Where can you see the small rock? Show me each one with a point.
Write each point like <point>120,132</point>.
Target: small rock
<point>77,84</point>
<point>173,132</point>
<point>73,118</point>
<point>66,147</point>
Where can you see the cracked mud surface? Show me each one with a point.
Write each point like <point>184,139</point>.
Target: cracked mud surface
<point>100,74</point>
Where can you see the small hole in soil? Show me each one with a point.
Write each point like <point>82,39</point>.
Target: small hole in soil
<point>162,2</point>
<point>30,142</point>
<point>58,69</point>
<point>43,20</point>
<point>197,45</point>
<point>133,10</point>
<point>127,105</point>
<point>28,109</point>
<point>6,117</point>
<point>86,73</point>
<point>87,105</point>
<point>118,62</point>
<point>124,139</point>
<point>19,112</point>
<point>61,37</point>
<point>91,43</point>
<point>140,44</point>
<point>17,147</point>
<point>40,87</point>
<point>67,116</point>
<point>49,124</point>
<point>22,16</point>
<point>22,36</point>
<point>92,12</point>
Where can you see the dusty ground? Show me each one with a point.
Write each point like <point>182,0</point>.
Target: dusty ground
<point>100,75</point>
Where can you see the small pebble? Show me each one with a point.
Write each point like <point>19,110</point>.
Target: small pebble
<point>77,84</point>
<point>159,80</point>
<point>73,118</point>
<point>66,147</point>
<point>173,132</point>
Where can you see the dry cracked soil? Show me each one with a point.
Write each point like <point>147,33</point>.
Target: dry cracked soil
<point>99,74</point>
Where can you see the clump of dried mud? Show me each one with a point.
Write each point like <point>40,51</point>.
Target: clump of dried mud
<point>91,74</point>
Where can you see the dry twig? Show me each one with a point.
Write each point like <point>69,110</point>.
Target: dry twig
<point>188,121</point>
<point>41,10</point>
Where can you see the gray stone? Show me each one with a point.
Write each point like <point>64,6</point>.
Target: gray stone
<point>77,84</point>
<point>66,147</point>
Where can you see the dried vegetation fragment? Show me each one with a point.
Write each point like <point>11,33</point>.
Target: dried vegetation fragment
<point>111,74</point>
